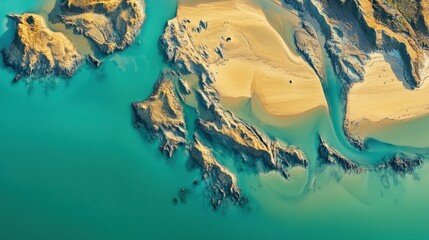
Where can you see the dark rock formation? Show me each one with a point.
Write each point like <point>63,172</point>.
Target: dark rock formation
<point>221,183</point>
<point>308,44</point>
<point>94,61</point>
<point>402,164</point>
<point>330,156</point>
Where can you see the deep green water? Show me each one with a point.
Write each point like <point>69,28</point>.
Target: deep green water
<point>73,167</point>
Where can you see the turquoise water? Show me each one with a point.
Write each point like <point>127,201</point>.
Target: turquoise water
<point>73,167</point>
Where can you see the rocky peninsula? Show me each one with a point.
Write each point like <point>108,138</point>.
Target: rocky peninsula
<point>221,183</point>
<point>331,156</point>
<point>162,116</point>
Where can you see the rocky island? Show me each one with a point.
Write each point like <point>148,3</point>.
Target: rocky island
<point>37,51</point>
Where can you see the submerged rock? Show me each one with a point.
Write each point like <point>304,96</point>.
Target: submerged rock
<point>162,115</point>
<point>308,44</point>
<point>221,183</point>
<point>184,86</point>
<point>111,25</point>
<point>330,156</point>
<point>37,51</point>
<point>94,61</point>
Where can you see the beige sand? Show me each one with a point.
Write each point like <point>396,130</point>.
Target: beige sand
<point>383,97</point>
<point>257,62</point>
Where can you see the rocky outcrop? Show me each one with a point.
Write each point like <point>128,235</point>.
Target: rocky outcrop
<point>111,25</point>
<point>221,183</point>
<point>37,51</point>
<point>307,42</point>
<point>94,61</point>
<point>184,86</point>
<point>330,156</point>
<point>181,52</point>
<point>346,41</point>
<point>162,116</point>
<point>399,164</point>
<point>402,164</point>
<point>353,29</point>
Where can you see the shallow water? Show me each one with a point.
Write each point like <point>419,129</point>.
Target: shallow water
<point>73,167</point>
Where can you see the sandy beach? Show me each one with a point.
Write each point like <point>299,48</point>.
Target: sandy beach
<point>256,61</point>
<point>383,97</point>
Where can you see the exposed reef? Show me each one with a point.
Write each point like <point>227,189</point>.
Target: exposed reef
<point>330,156</point>
<point>111,25</point>
<point>162,116</point>
<point>37,51</point>
<point>398,164</point>
<point>308,44</point>
<point>221,183</point>
<point>402,164</point>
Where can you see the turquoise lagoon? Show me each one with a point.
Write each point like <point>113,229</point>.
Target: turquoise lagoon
<point>72,166</point>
